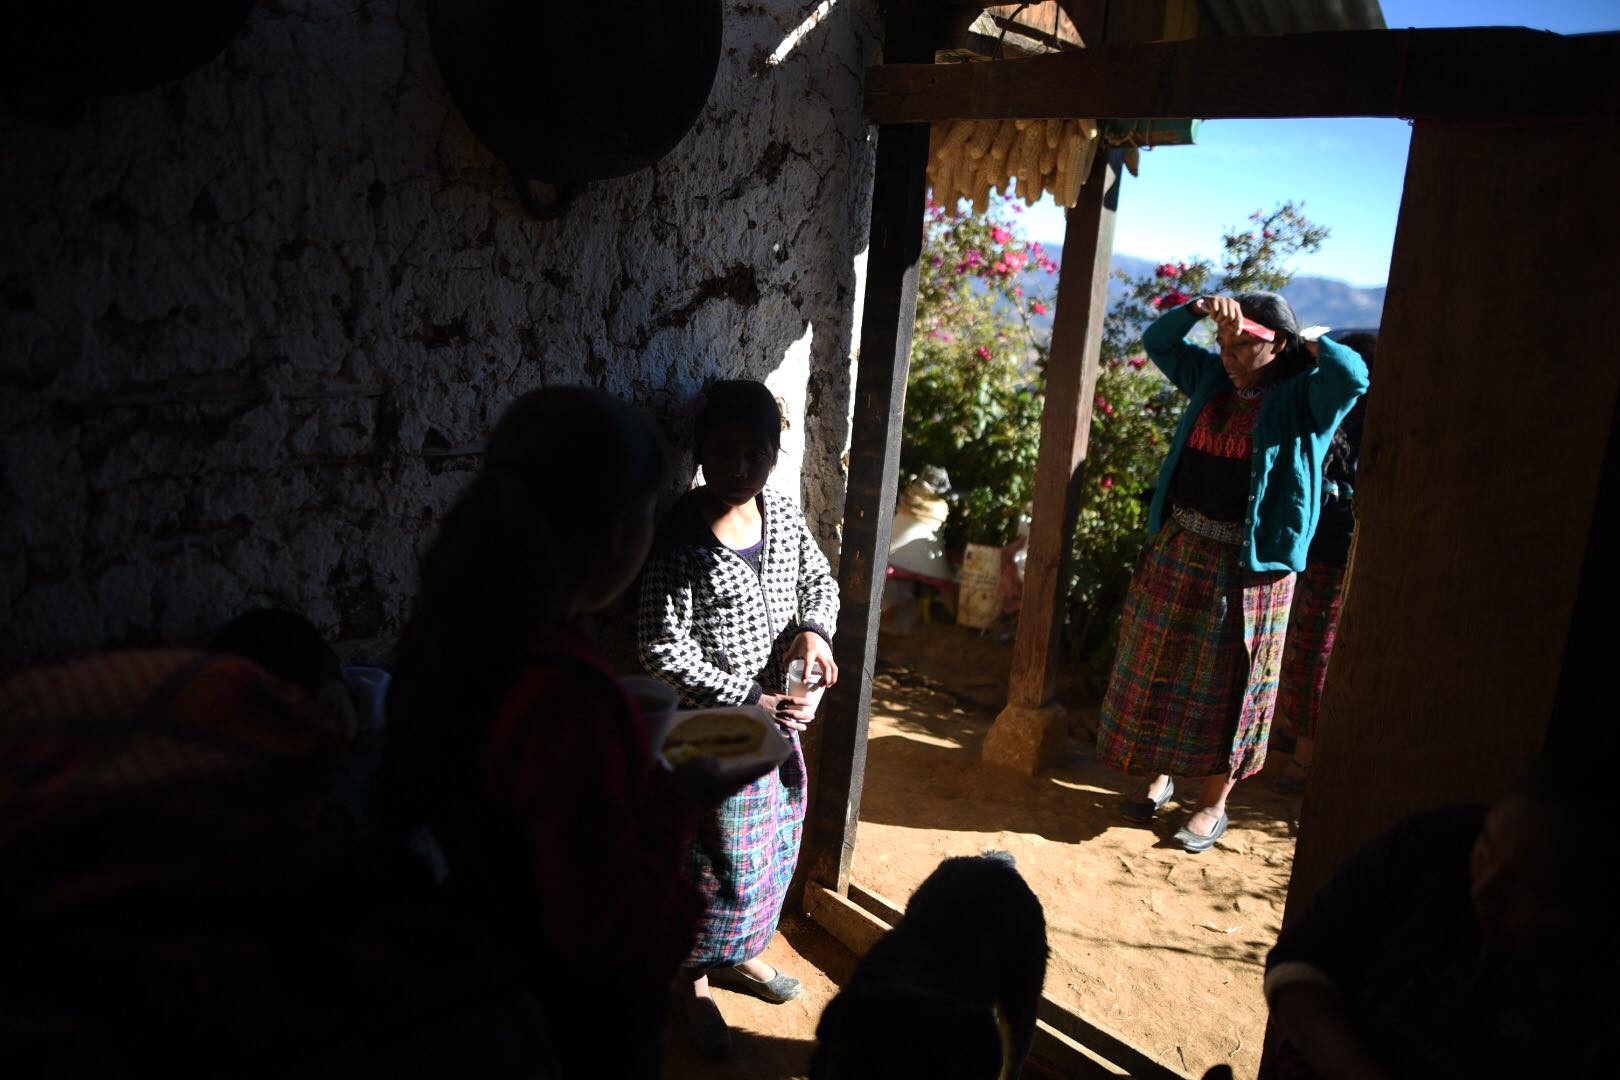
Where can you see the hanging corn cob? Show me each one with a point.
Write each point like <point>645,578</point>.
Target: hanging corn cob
<point>969,157</point>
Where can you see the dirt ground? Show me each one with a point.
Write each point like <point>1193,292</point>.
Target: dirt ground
<point>1164,947</point>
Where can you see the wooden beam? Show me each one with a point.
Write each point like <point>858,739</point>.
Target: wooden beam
<point>837,749</point>
<point>1437,74</point>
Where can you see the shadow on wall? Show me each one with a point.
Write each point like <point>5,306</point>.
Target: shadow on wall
<point>261,319</point>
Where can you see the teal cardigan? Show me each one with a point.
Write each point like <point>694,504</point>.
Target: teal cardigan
<point>1291,437</point>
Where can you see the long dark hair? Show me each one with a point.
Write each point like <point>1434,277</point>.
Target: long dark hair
<point>1270,310</point>
<point>1340,462</point>
<point>742,402</point>
<point>564,468</point>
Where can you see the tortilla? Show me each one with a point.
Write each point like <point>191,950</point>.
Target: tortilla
<point>719,734</point>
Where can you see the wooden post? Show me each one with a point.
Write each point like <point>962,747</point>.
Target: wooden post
<point>1029,732</point>
<point>899,192</point>
<point>1493,396</point>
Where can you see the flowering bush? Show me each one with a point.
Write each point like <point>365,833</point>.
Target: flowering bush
<point>973,401</point>
<point>976,391</point>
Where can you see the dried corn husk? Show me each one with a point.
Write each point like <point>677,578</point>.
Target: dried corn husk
<point>1045,155</point>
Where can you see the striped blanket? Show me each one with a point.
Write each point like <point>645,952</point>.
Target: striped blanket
<point>1195,678</point>
<point>742,861</point>
<point>130,771</point>
<point>1311,629</point>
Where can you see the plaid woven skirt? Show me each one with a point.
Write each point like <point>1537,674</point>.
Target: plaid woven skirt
<point>1311,629</point>
<point>742,861</point>
<point>1200,646</point>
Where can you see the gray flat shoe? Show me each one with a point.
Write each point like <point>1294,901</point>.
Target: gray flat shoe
<point>709,1034</point>
<point>778,989</point>
<point>1195,842</point>
<point>1144,809</point>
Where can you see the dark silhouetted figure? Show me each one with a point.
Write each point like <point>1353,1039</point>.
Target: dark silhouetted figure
<point>951,991</point>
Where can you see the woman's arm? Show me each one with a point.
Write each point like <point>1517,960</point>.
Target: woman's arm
<point>818,592</point>
<point>668,646</point>
<point>1182,362</point>
<point>1340,378</point>
<point>818,606</point>
<point>1313,1017</point>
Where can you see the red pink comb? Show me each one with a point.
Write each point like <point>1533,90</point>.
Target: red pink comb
<point>1264,333</point>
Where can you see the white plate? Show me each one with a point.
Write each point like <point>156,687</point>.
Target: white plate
<point>773,749</point>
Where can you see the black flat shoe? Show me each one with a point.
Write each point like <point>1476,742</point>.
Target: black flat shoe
<point>1144,809</point>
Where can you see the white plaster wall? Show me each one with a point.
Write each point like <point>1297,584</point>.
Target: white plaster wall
<point>258,322</point>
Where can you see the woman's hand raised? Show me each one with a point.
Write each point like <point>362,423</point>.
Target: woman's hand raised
<point>1223,309</point>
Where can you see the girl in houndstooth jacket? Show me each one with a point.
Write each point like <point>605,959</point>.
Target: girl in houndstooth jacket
<point>736,589</point>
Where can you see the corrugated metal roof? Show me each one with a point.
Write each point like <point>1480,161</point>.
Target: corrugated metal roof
<point>1241,18</point>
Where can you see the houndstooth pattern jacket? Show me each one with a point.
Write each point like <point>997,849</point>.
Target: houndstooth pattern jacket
<point>713,628</point>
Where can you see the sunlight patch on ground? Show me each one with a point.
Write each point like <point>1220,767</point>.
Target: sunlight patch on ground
<point>1091,789</point>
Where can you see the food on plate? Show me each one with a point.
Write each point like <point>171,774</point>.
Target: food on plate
<point>721,734</point>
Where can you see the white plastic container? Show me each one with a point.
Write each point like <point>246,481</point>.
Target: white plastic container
<point>810,688</point>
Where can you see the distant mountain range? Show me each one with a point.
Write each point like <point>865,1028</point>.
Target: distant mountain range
<point>1316,300</point>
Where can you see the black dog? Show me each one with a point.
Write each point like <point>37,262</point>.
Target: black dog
<point>951,991</point>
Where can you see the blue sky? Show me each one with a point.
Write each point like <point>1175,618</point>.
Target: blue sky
<point>1347,172</point>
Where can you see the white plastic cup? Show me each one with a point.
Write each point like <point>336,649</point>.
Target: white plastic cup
<point>809,689</point>
<point>657,701</point>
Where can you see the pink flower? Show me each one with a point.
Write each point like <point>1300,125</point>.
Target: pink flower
<point>1108,483</point>
<point>939,260</point>
<point>1103,406</point>
<point>1000,235</point>
<point>984,352</point>
<point>1173,298</point>
<point>974,258</point>
<point>1018,290</point>
<point>1000,267</point>
<point>1268,234</point>
<point>1168,270</point>
<point>1138,362</point>
<point>1038,308</point>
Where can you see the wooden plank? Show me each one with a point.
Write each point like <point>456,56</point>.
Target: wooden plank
<point>836,749</point>
<point>881,906</point>
<point>1066,1058</point>
<point>1104,1044</point>
<point>1492,405</point>
<point>855,928</point>
<point>1410,73</point>
<point>1071,386</point>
